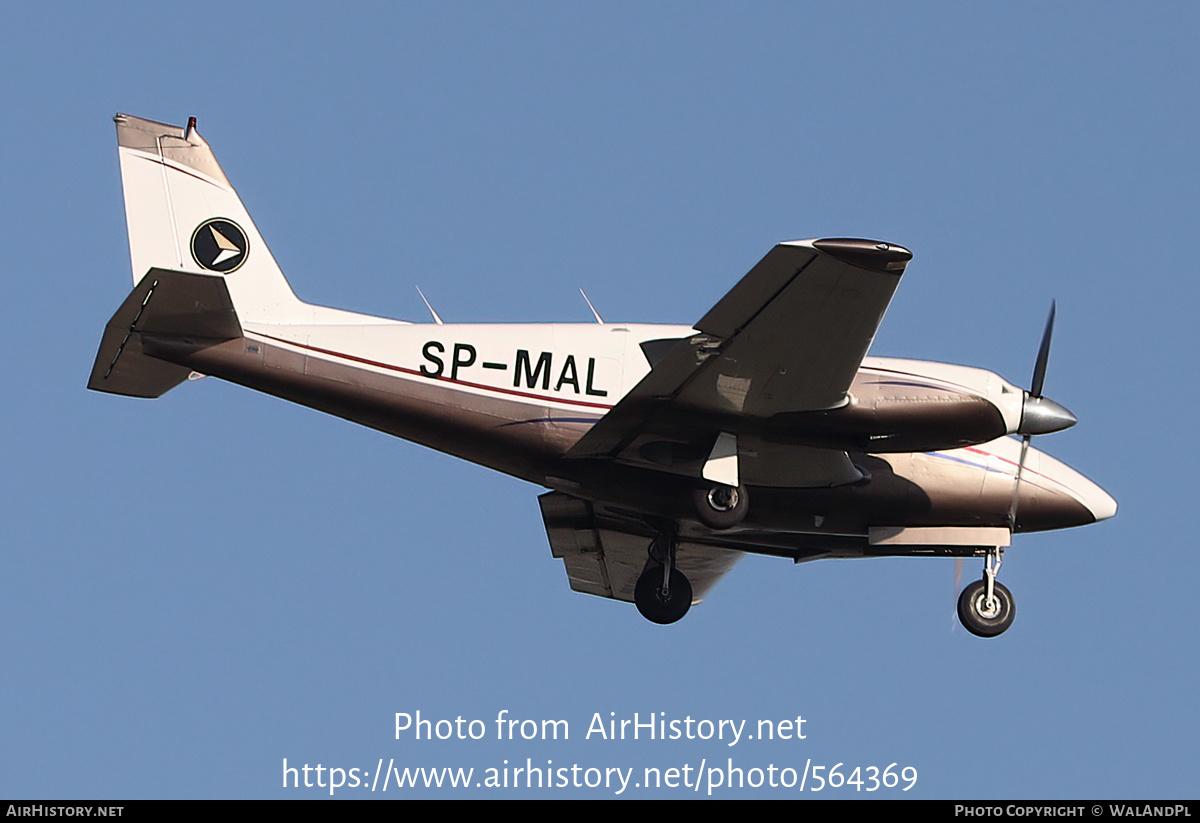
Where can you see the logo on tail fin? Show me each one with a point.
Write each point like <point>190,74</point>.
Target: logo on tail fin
<point>219,245</point>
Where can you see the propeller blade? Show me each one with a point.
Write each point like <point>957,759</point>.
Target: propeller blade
<point>1038,415</point>
<point>1039,368</point>
<point>1016,495</point>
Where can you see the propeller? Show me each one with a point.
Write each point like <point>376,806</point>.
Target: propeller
<point>1039,414</point>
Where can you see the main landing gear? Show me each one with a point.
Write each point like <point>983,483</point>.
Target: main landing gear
<point>986,607</point>
<point>721,506</point>
<point>662,594</point>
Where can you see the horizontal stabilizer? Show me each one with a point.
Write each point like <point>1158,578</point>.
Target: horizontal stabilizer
<point>171,304</point>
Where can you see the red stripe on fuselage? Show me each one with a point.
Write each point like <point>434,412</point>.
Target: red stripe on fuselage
<point>1014,464</point>
<point>421,374</point>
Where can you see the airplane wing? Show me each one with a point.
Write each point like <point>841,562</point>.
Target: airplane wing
<point>789,337</point>
<point>605,556</point>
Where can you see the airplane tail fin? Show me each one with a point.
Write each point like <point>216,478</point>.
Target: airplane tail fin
<point>201,270</point>
<point>182,214</point>
<point>200,267</point>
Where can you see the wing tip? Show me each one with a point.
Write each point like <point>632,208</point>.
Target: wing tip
<point>872,255</point>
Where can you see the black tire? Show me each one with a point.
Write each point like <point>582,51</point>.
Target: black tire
<point>721,507</point>
<point>648,596</point>
<point>979,620</point>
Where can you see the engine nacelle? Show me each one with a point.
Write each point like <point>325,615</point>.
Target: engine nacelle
<point>912,405</point>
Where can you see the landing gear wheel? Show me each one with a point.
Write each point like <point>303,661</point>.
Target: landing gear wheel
<point>656,606</point>
<point>721,507</point>
<point>982,618</point>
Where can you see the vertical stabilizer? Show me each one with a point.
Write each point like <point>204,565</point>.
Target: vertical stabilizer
<point>182,214</point>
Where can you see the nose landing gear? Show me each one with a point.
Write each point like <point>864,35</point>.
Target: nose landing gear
<point>986,607</point>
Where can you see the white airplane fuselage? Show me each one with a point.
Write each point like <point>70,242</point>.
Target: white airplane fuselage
<point>516,397</point>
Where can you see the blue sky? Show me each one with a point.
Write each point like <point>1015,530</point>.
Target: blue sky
<point>198,587</point>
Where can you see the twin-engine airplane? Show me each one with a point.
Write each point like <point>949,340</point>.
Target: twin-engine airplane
<point>669,450</point>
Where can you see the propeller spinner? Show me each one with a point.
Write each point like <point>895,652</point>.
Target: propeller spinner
<point>1041,415</point>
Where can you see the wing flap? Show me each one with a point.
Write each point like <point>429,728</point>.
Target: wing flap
<point>605,558</point>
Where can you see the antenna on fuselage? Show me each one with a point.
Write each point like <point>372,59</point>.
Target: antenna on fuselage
<point>595,313</point>
<point>436,319</point>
